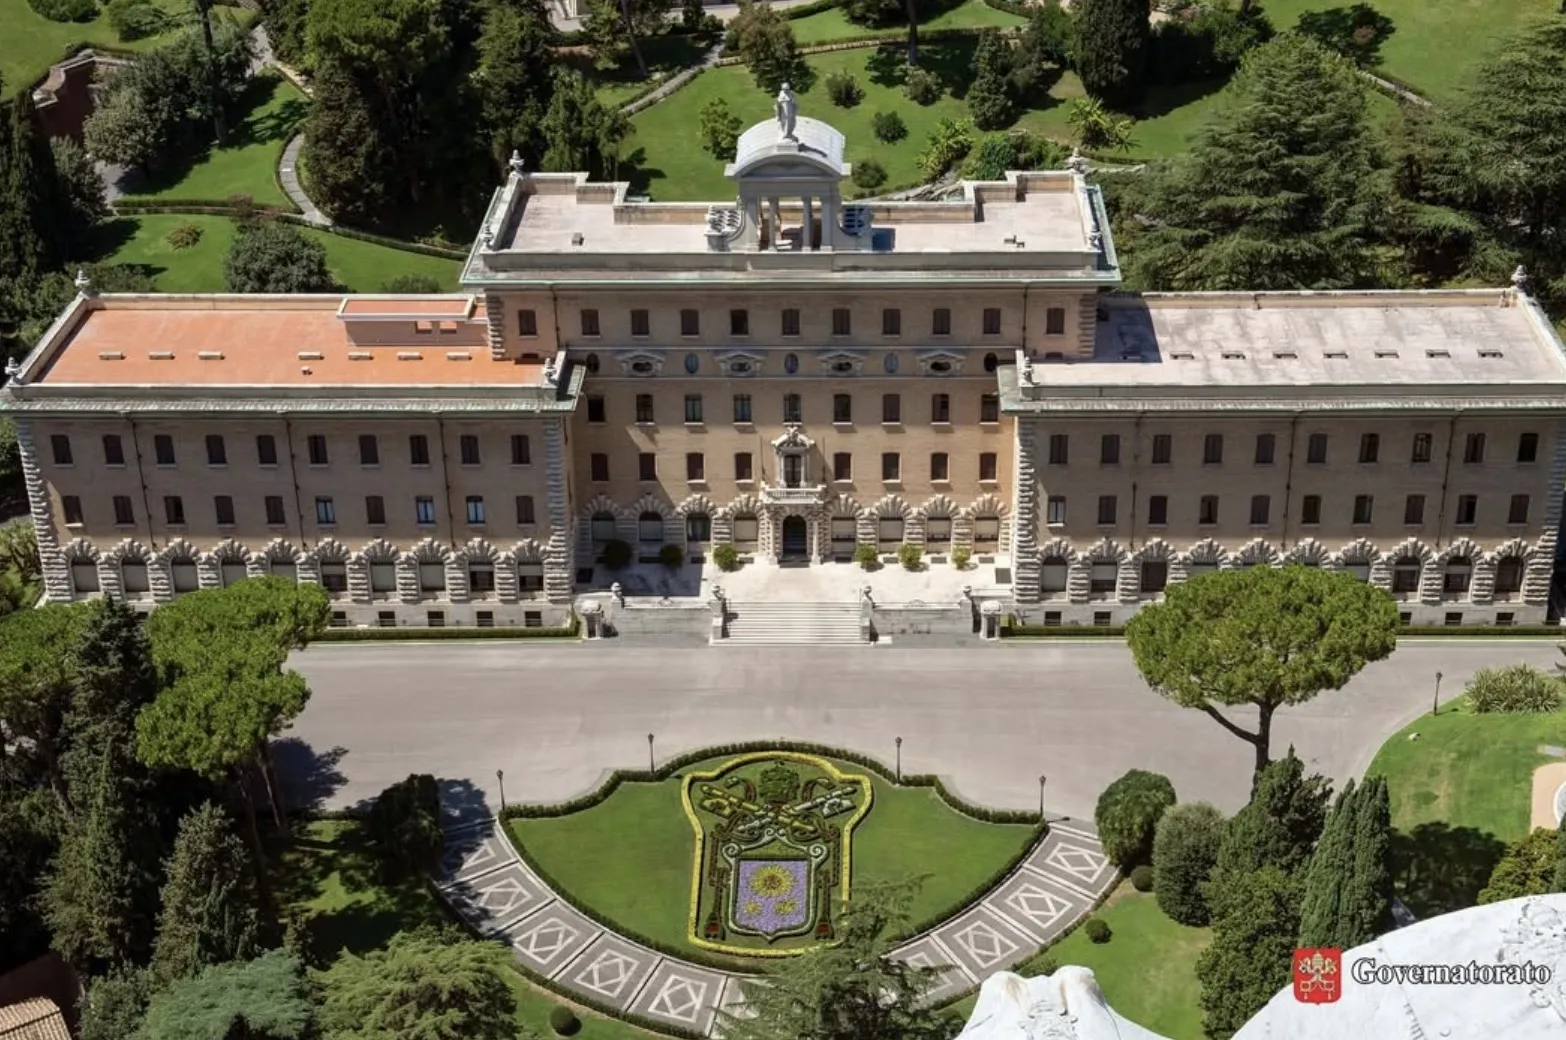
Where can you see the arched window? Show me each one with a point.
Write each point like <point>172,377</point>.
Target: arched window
<point>649,528</point>
<point>133,577</point>
<point>481,577</point>
<point>603,526</point>
<point>845,535</point>
<point>334,576</point>
<point>991,362</point>
<point>1196,570</point>
<point>1052,575</point>
<point>1509,576</point>
<point>1155,576</point>
<point>232,571</point>
<point>1405,574</point>
<point>284,568</point>
<point>1459,574</point>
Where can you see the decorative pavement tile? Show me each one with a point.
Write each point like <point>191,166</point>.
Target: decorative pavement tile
<point>983,943</point>
<point>547,941</point>
<point>1036,904</point>
<point>474,852</point>
<point>610,970</point>
<point>681,994</point>
<point>732,1001</point>
<point>951,980</point>
<point>489,901</point>
<point>1078,862</point>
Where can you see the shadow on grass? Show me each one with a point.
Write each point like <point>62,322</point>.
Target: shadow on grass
<point>948,62</point>
<point>309,777</point>
<point>1440,868</point>
<point>633,169</point>
<point>1161,101</point>
<point>110,236</point>
<point>1355,32</point>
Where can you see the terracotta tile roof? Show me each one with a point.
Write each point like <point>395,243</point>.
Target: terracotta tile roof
<point>37,1019</point>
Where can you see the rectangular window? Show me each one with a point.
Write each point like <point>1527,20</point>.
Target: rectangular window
<point>693,408</point>
<point>992,321</point>
<point>742,408</point>
<point>695,466</point>
<point>1316,449</point>
<point>1155,576</point>
<point>1059,445</point>
<point>842,321</point>
<point>1106,509</point>
<point>316,445</point>
<point>1212,449</point>
<point>1369,447</point>
<point>521,450</point>
<point>1473,449</point>
<point>891,465</point>
<point>217,451</point>
<point>842,466</point>
<point>1055,321</point>
<point>941,321</point>
<point>644,408</point>
<point>690,322</point>
<point>325,511</point>
<point>842,408</point>
<point>1261,509</point>
<point>1163,449</point>
<point>1109,449</point>
<point>1157,510</point>
<point>641,324</point>
<point>424,510</point>
<point>124,515</point>
<point>1414,509</point>
<point>1517,511</point>
<point>71,506</point>
<point>369,450</point>
<point>790,322</point>
<point>987,465</point>
<point>374,510</point>
<point>646,466</point>
<point>1266,445</point>
<point>113,450</point>
<point>940,408</point>
<point>891,408</point>
<point>1422,446</point>
<point>527,323</point>
<point>274,511</point>
<point>475,510</point>
<point>744,466</point>
<point>1101,581</point>
<point>1310,509</point>
<point>589,321</point>
<point>938,466</point>
<point>223,509</point>
<point>891,321</point>
<point>1364,506</point>
<point>1467,510</point>
<point>595,409</point>
<point>481,579</point>
<point>1207,510</point>
<point>418,450</point>
<point>739,322</point>
<point>60,446</point>
<point>792,411</point>
<point>989,408</point>
<point>163,449</point>
<point>598,465</point>
<point>468,448</point>
<point>525,510</point>
<point>1528,447</point>
<point>1055,510</point>
<point>174,510</point>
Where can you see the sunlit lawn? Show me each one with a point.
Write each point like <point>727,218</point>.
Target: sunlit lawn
<point>826,26</point>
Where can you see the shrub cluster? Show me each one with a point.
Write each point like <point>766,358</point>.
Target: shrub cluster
<point>1142,878</point>
<point>869,174</point>
<point>960,556</point>
<point>616,554</point>
<point>888,127</point>
<point>911,557</point>
<point>64,10</point>
<point>1097,930</point>
<point>671,556</point>
<point>1127,815</point>
<point>844,89</point>
<point>1518,689</point>
<point>135,19</point>
<point>185,236</point>
<point>564,1021</point>
<point>726,557</point>
<point>1185,850</point>
<point>866,556</point>
<point>392,635</point>
<point>920,87</point>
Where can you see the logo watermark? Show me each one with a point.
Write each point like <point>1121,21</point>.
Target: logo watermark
<point>1319,974</point>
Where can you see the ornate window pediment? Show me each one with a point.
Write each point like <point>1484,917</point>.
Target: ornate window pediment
<point>793,439</point>
<point>842,362</point>
<point>641,362</point>
<point>740,363</point>
<point>941,362</point>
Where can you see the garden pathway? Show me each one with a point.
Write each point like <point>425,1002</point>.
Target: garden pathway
<point>487,884</point>
<point>288,177</point>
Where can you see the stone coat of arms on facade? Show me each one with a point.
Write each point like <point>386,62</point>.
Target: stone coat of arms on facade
<point>773,852</point>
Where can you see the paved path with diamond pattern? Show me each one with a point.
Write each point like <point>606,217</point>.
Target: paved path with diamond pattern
<point>486,882</point>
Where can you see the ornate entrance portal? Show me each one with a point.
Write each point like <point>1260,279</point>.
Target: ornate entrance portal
<point>796,539</point>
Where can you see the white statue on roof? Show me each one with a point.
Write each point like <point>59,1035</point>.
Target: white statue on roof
<point>786,109</point>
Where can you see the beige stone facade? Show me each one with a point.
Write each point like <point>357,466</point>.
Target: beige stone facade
<point>797,375</point>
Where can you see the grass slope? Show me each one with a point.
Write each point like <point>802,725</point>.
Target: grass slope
<point>359,266</point>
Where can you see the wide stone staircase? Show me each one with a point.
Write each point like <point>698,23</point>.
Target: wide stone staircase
<point>793,624</point>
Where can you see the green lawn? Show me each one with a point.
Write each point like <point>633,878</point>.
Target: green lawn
<point>665,55</point>
<point>359,266</point>
<point>829,25</point>
<point>1147,969</point>
<point>629,858</point>
<point>332,875</point>
<point>247,165</point>
<point>1460,790</point>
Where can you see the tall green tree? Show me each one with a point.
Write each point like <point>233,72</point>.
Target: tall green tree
<point>1348,885</point>
<point>1265,637</point>
<point>263,999</point>
<point>849,990</point>
<point>515,55</point>
<point>209,902</point>
<point>115,1004</point>
<point>1185,851</point>
<point>419,986</point>
<point>30,827</point>
<point>989,96</point>
<point>579,133</point>
<point>1279,827</point>
<point>1111,53</point>
<point>1528,868</point>
<point>765,40</point>
<point>36,683</point>
<point>1322,919</point>
<point>33,205</point>
<point>274,257</point>
<point>1255,920</point>
<point>351,165</point>
<point>616,26</point>
<point>1301,187</point>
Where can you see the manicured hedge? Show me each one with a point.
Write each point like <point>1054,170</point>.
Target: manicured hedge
<point>1011,7</point>
<point>806,10</point>
<point>1015,631</point>
<point>211,206</point>
<point>383,240</point>
<point>366,635</point>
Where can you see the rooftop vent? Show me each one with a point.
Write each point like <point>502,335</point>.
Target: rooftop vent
<point>111,355</point>
<point>577,238</point>
<point>1438,353</point>
<point>1234,355</point>
<point>210,355</point>
<point>305,370</point>
<point>1285,355</point>
<point>1183,355</point>
<point>409,355</point>
<point>160,355</point>
<point>1491,354</point>
<point>458,355</point>
<point>311,355</point>
<point>448,326</point>
<point>1336,355</point>
<point>1386,354</point>
<point>360,355</point>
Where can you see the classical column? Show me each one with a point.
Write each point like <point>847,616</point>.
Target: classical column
<point>777,223</point>
<point>752,231</point>
<point>807,239</point>
<point>828,222</point>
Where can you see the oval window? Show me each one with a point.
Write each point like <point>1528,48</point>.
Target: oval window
<point>842,366</point>
<point>592,363</point>
<point>739,368</point>
<point>940,367</point>
<point>990,361</point>
<point>642,367</point>
<point>791,364</point>
<point>890,363</point>
<point>692,363</point>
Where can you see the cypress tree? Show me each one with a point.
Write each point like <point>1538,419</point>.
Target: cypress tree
<point>1330,874</point>
<point>209,900</point>
<point>1112,50</point>
<point>34,214</point>
<point>1248,961</point>
<point>1280,825</point>
<point>1366,908</point>
<point>989,96</point>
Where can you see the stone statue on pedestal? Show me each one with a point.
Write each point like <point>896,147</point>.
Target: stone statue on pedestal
<point>786,109</point>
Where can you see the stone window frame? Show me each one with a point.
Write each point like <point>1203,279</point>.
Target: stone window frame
<point>740,364</point>
<point>842,362</point>
<point>930,360</point>
<point>644,364</point>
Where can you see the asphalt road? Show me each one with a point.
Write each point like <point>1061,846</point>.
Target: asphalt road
<point>991,721</point>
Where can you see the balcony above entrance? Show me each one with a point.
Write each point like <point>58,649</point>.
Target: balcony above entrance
<point>810,495</point>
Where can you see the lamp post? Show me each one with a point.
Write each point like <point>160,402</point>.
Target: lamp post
<point>500,778</point>
<point>899,759</point>
<point>651,766</point>
<point>1436,707</point>
<point>1041,796</point>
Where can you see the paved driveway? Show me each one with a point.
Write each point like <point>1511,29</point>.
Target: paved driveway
<point>990,720</point>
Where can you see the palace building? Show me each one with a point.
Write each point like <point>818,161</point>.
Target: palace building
<point>796,374</point>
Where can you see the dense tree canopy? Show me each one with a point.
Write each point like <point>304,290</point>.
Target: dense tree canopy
<point>514,62</point>
<point>1111,53</point>
<point>419,986</point>
<point>264,998</point>
<point>765,40</point>
<point>273,257</point>
<point>1348,885</point>
<point>1248,961</point>
<point>209,912</point>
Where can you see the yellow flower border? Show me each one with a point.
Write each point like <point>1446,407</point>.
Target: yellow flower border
<point>692,929</point>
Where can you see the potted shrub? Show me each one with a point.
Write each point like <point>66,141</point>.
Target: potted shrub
<point>865,555</point>
<point>960,557</point>
<point>911,557</point>
<point>616,555</point>
<point>725,556</point>
<point>671,556</point>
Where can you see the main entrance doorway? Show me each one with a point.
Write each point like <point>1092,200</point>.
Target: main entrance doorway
<point>796,538</point>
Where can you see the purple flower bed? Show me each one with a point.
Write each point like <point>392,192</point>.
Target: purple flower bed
<point>772,896</point>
